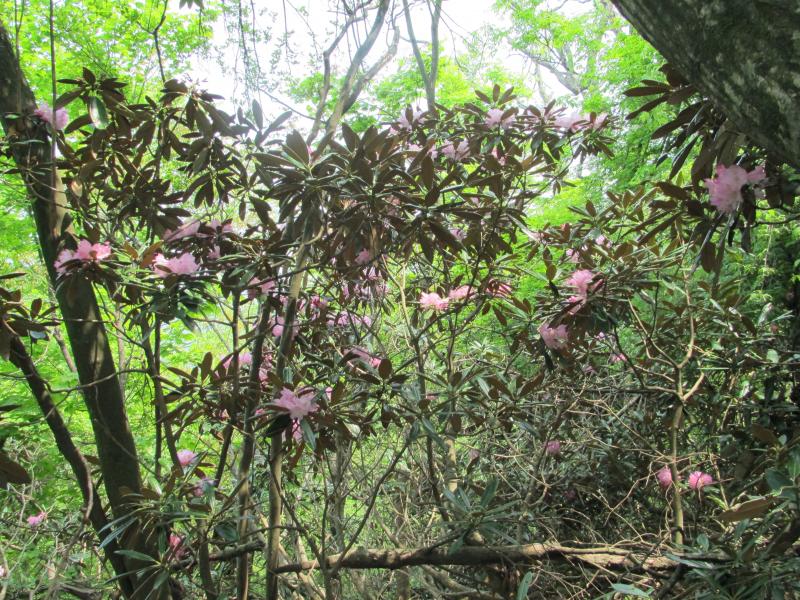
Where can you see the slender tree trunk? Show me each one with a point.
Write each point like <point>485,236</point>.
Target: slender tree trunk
<point>744,55</point>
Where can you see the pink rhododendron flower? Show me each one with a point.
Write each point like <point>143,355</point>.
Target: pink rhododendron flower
<point>458,233</point>
<point>580,280</point>
<point>602,240</point>
<point>299,404</point>
<point>245,358</point>
<point>85,252</point>
<point>572,121</point>
<point>318,303</point>
<point>698,480</point>
<point>553,448</point>
<point>598,121</point>
<point>215,253</point>
<point>576,303</point>
<point>432,301</point>
<point>461,292</point>
<point>348,319</point>
<point>204,485</point>
<point>363,257</point>
<point>176,547</point>
<point>494,117</point>
<point>416,117</point>
<point>664,477</point>
<point>256,287</point>
<point>726,188</point>
<point>554,337</point>
<point>573,256</point>
<point>57,121</point>
<point>456,152</point>
<point>185,264</point>
<point>36,520</point>
<point>297,431</point>
<point>365,357</point>
<point>184,230</point>
<point>501,160</point>
<point>279,325</point>
<point>186,457</point>
<point>617,357</point>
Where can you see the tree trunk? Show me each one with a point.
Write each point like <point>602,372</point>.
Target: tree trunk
<point>103,395</point>
<point>742,54</point>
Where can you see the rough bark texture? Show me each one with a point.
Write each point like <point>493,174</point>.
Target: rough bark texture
<point>743,54</point>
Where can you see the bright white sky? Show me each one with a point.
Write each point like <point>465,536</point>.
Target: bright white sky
<point>460,19</point>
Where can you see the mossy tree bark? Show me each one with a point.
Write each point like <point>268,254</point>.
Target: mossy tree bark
<point>743,54</point>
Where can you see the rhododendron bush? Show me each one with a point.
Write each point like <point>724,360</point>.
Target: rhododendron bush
<point>389,368</point>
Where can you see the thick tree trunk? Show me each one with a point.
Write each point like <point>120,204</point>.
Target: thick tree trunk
<point>743,54</point>
<point>91,502</point>
<point>103,395</point>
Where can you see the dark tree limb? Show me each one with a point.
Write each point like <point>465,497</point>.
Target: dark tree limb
<point>92,507</point>
<point>743,54</point>
<point>605,558</point>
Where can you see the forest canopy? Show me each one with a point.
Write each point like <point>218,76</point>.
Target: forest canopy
<point>399,299</point>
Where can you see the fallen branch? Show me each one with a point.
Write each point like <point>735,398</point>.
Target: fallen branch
<point>604,557</point>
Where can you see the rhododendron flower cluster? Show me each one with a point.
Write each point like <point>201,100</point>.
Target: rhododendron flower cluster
<point>458,233</point>
<point>278,326</point>
<point>85,252</point>
<point>36,520</point>
<point>500,159</point>
<point>176,547</point>
<point>363,257</point>
<point>456,151</point>
<point>57,120</point>
<point>571,121</point>
<point>698,480</point>
<point>553,447</point>
<point>365,356</point>
<point>416,117</point>
<point>297,431</point>
<point>554,337</point>
<point>298,403</point>
<point>581,280</point>
<point>257,287</point>
<point>203,486</point>
<point>185,264</point>
<point>349,319</point>
<point>664,477</point>
<point>186,457</point>
<point>494,117</point>
<point>246,359</point>
<point>726,188</point>
<point>433,301</point>
<point>460,293</point>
